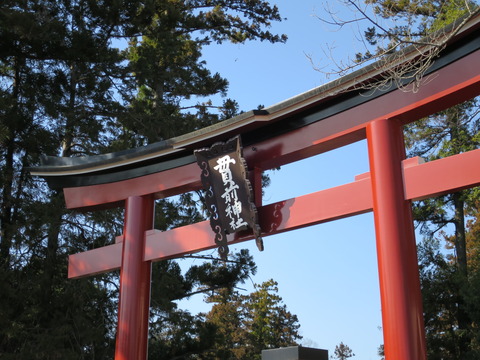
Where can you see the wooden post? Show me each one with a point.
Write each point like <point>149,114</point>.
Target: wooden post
<point>402,311</point>
<point>135,277</point>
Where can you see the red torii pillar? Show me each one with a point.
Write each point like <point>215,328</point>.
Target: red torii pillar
<point>402,310</point>
<point>135,278</point>
<point>387,190</point>
<point>398,270</point>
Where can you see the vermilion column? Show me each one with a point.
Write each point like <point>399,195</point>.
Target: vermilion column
<point>402,311</point>
<point>135,276</point>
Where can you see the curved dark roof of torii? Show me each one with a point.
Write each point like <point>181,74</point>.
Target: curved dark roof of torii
<point>256,125</point>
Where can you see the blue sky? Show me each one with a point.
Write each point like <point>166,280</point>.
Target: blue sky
<point>327,274</point>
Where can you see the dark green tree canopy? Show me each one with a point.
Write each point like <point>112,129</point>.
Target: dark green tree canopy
<point>448,254</point>
<point>447,278</point>
<point>82,77</point>
<point>248,324</point>
<point>396,30</point>
<point>342,352</point>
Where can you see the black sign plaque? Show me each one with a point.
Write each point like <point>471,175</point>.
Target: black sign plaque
<point>229,195</point>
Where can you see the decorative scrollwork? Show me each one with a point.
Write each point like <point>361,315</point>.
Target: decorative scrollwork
<point>228,192</point>
<point>277,209</point>
<point>221,241</point>
<point>277,214</point>
<point>223,251</point>
<point>210,191</point>
<point>204,167</point>
<point>214,212</point>
<point>219,235</point>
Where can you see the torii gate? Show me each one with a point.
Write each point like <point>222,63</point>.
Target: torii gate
<point>323,119</point>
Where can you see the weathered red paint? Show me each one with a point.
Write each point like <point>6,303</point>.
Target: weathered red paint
<point>135,276</point>
<point>402,313</point>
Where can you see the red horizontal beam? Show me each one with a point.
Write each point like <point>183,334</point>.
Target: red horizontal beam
<point>421,181</point>
<point>166,183</point>
<point>440,90</point>
<point>440,177</point>
<point>452,84</point>
<point>96,261</point>
<point>327,205</point>
<point>322,206</point>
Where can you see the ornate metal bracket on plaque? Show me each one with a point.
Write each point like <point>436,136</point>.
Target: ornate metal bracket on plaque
<point>229,194</point>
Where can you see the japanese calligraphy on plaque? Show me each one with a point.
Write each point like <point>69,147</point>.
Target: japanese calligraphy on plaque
<point>229,195</point>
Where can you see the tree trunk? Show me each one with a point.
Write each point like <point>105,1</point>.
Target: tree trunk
<point>460,236</point>
<point>6,207</point>
<point>56,206</point>
<point>463,317</point>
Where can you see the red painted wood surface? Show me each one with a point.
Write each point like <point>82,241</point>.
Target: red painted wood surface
<point>448,86</point>
<point>165,183</point>
<point>402,311</point>
<point>387,189</point>
<point>95,261</point>
<point>440,177</point>
<point>134,299</point>
<point>450,174</point>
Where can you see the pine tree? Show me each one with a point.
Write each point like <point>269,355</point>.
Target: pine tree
<point>448,280</point>
<point>166,66</point>
<point>342,352</point>
<point>68,89</point>
<point>248,324</point>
